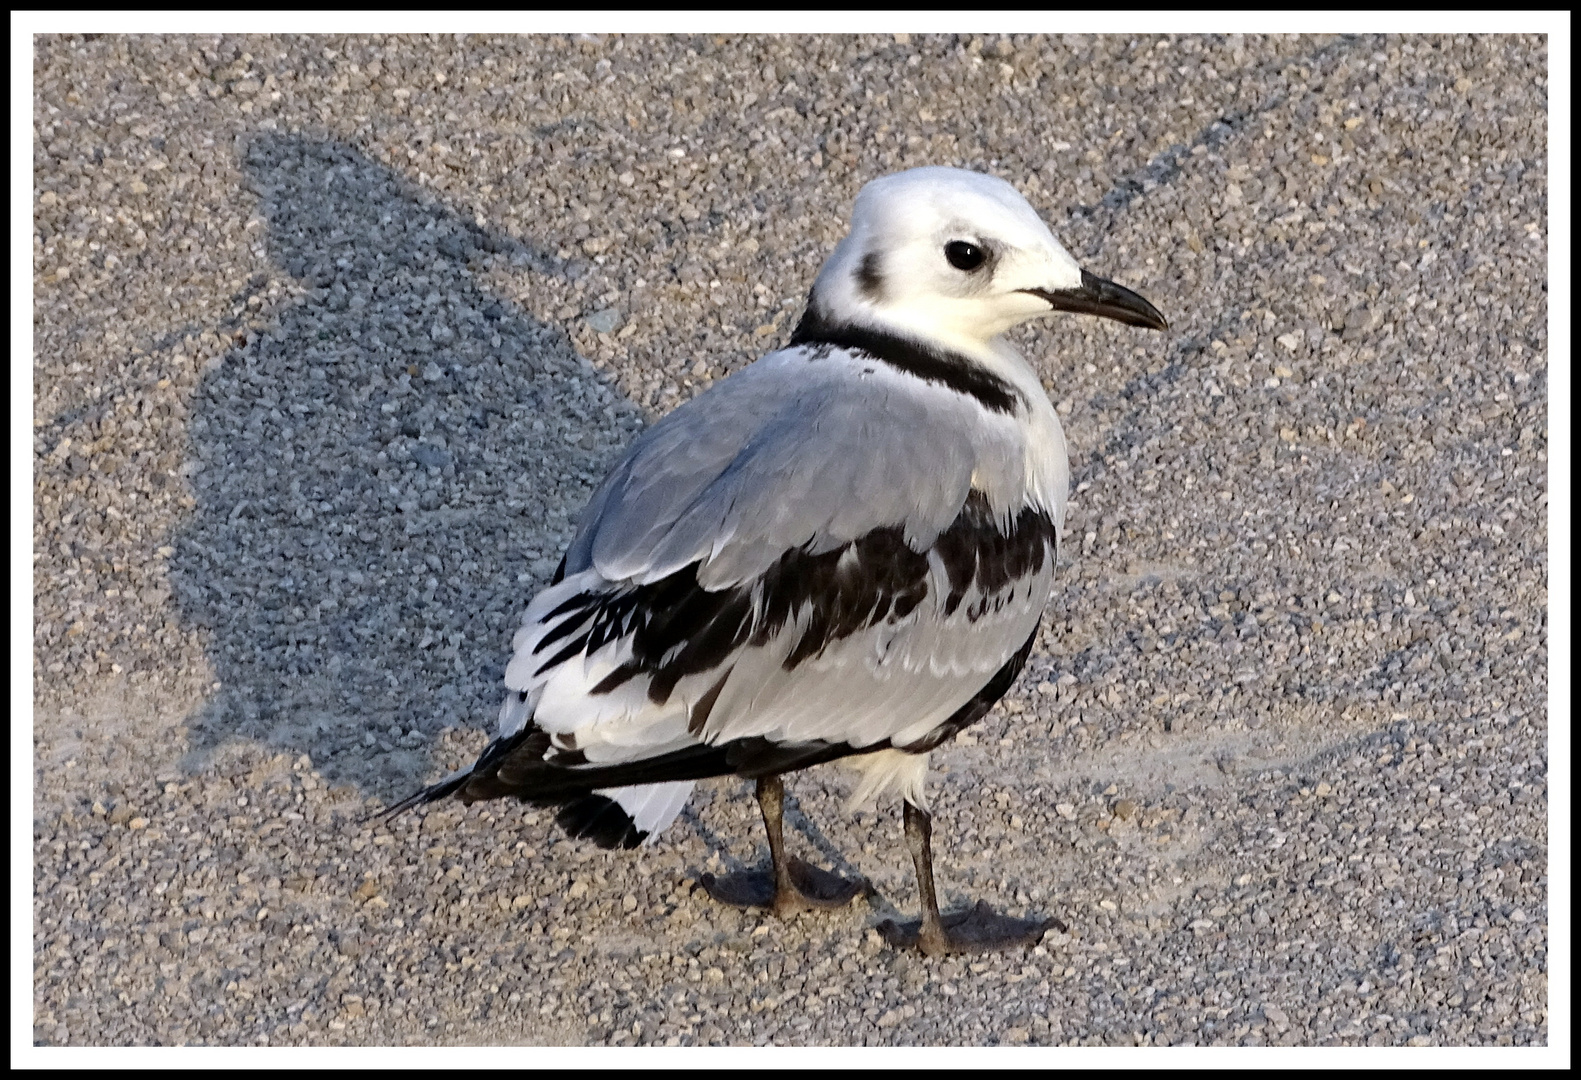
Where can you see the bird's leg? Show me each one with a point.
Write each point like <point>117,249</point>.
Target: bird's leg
<point>789,885</point>
<point>919,839</point>
<point>977,929</point>
<point>771,802</point>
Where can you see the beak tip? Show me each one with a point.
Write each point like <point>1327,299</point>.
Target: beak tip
<point>1098,296</point>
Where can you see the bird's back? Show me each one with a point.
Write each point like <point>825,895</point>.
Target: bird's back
<point>819,549</point>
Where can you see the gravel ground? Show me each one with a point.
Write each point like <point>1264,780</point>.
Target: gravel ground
<point>334,335</point>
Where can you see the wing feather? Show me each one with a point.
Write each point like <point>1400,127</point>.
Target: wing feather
<point>816,551</point>
<point>893,679</point>
<point>797,449</point>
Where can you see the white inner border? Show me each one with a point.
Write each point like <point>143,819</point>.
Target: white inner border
<point>24,25</point>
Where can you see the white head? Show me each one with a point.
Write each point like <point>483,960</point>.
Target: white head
<point>956,257</point>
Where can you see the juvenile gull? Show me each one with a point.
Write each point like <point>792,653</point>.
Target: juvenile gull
<point>841,551</point>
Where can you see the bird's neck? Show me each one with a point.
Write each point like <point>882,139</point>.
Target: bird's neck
<point>974,373</point>
<point>992,354</point>
<point>991,371</point>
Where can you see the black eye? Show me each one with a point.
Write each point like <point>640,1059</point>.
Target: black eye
<point>964,256</point>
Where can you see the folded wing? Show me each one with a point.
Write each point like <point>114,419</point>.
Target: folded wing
<point>811,553</point>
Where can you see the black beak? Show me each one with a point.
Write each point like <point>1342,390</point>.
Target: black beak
<point>1096,296</point>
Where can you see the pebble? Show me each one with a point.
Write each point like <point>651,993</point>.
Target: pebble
<point>334,336</point>
<point>606,321</point>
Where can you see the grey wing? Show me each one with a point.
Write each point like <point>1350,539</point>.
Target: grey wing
<point>793,451</point>
<point>893,681</point>
<point>870,643</point>
<point>789,556</point>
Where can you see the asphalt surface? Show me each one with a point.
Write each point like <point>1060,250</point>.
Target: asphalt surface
<point>333,337</point>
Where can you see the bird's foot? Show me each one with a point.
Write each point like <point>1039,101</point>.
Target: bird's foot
<point>977,929</point>
<point>809,889</point>
<point>820,890</point>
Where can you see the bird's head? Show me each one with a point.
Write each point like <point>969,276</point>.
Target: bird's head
<point>958,257</point>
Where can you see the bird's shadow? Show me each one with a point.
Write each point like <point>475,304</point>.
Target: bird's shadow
<point>795,819</point>
<point>712,841</point>
<point>384,472</point>
<point>799,821</point>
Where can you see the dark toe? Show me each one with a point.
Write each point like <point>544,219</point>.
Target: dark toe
<point>901,935</point>
<point>744,888</point>
<point>820,888</point>
<point>982,929</point>
<point>977,929</point>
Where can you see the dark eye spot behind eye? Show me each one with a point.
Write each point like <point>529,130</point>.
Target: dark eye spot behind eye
<point>870,278</point>
<point>964,255</point>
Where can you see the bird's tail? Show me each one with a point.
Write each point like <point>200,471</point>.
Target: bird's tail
<point>627,816</point>
<point>612,817</point>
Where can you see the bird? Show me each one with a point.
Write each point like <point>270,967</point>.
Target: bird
<point>843,550</point>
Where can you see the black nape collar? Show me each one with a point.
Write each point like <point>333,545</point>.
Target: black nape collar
<point>950,369</point>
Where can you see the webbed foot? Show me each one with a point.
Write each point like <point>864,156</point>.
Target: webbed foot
<point>977,929</point>
<point>807,888</point>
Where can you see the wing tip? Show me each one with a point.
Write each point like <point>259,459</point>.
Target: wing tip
<point>431,793</point>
